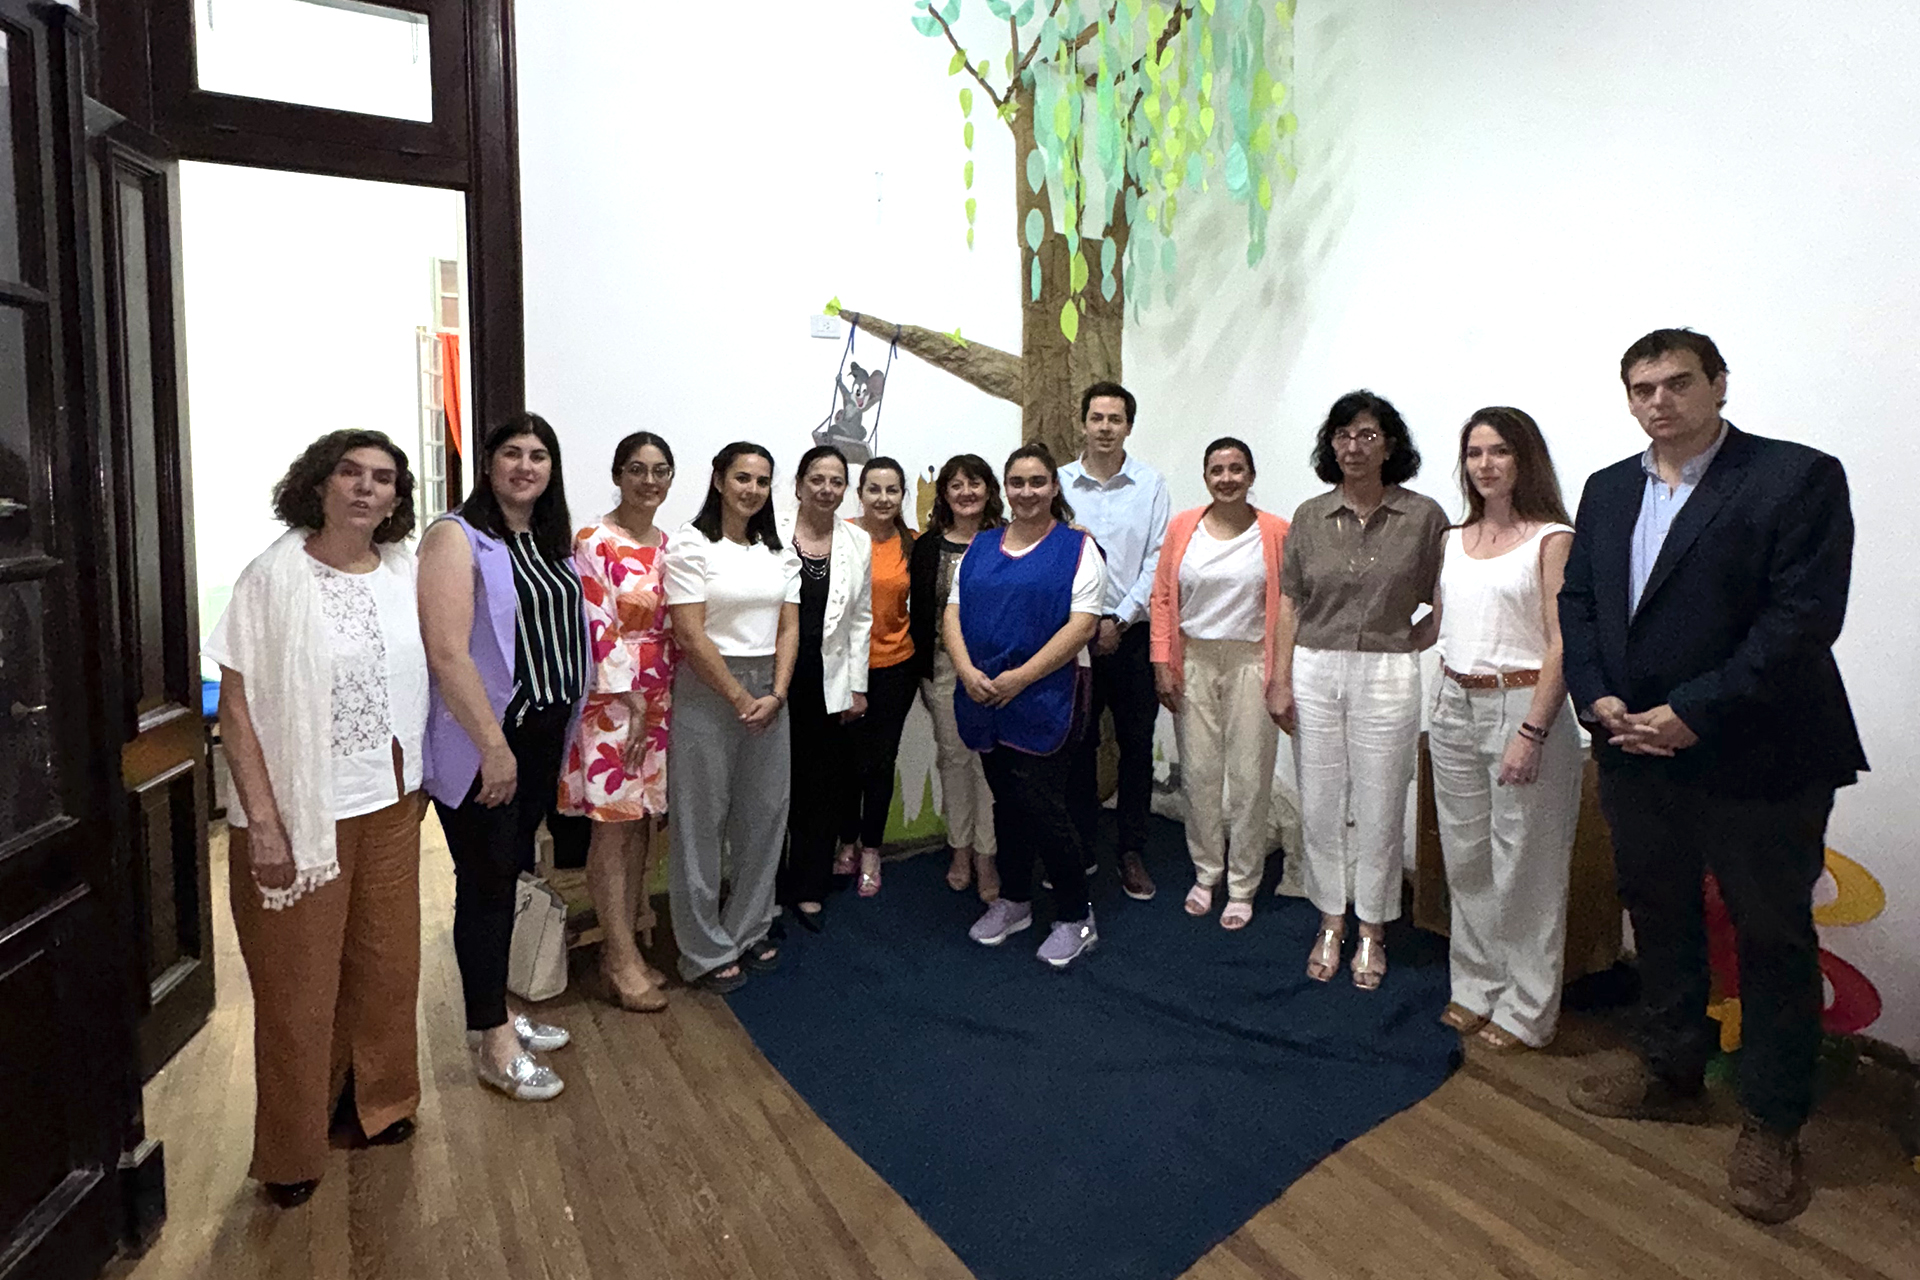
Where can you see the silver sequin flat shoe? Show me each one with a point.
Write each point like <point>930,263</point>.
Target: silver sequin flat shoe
<point>524,1079</point>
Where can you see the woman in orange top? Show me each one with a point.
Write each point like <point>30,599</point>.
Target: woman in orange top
<point>892,675</point>
<point>1216,597</point>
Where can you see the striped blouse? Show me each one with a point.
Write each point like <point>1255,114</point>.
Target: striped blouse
<point>550,644</point>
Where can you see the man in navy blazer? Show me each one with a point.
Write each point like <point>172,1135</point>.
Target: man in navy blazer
<point>1704,590</point>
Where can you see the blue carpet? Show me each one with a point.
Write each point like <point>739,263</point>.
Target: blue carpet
<point>1115,1120</point>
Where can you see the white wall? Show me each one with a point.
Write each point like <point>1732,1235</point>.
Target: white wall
<point>1496,197</point>
<point>302,297</point>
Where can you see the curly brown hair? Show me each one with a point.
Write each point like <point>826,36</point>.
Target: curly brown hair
<point>296,498</point>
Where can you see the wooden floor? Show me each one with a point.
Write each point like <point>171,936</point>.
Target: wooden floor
<point>677,1153</point>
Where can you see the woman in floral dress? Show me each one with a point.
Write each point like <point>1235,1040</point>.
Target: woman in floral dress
<point>616,768</point>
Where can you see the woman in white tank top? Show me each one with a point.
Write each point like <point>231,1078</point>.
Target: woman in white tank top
<point>1506,761</point>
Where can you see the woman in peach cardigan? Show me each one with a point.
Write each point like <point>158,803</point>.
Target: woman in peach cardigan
<point>1215,597</point>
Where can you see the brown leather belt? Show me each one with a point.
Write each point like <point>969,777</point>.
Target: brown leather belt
<point>1505,680</point>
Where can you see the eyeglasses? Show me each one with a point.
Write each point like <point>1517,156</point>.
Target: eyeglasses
<point>1366,436</point>
<point>639,470</point>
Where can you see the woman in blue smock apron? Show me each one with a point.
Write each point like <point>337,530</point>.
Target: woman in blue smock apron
<point>1026,599</point>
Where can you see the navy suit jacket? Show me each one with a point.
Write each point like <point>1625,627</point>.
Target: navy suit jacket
<point>1736,626</point>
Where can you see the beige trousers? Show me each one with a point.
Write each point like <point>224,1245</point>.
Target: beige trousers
<point>336,978</point>
<point>1227,745</point>
<point>965,802</point>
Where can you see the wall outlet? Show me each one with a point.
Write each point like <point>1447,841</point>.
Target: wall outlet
<point>823,326</point>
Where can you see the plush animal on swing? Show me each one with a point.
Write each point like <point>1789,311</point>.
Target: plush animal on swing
<point>856,391</point>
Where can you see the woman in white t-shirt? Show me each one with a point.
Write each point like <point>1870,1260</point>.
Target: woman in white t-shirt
<point>323,704</point>
<point>1506,761</point>
<point>1216,597</point>
<point>734,592</point>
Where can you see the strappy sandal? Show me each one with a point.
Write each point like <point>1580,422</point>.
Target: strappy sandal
<point>1369,963</point>
<point>1324,959</point>
<point>1462,1019</point>
<point>869,876</point>
<point>1500,1040</point>
<point>1237,915</point>
<point>1199,900</point>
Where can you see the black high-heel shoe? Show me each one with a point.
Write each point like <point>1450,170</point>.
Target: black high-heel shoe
<point>291,1195</point>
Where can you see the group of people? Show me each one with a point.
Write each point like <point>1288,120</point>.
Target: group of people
<point>521,670</point>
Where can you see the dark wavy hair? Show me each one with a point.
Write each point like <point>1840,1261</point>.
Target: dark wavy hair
<point>1536,486</point>
<point>550,523</point>
<point>630,445</point>
<point>974,467</point>
<point>296,498</point>
<point>1403,460</point>
<point>760,526</point>
<point>1062,509</point>
<point>884,463</point>
<point>1229,442</point>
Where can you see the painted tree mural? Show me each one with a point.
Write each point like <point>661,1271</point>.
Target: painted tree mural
<point>1119,109</point>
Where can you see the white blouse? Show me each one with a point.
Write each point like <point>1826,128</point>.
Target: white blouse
<point>1490,610</point>
<point>743,588</point>
<point>379,667</point>
<point>1223,586</point>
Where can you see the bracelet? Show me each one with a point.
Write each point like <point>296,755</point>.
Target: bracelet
<point>1532,732</point>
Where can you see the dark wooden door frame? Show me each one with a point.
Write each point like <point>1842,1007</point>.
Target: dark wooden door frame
<point>147,78</point>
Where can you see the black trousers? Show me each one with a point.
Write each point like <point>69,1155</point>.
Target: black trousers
<point>1123,684</point>
<point>1765,855</point>
<point>1030,820</point>
<point>820,786</point>
<point>491,847</point>
<point>873,741</point>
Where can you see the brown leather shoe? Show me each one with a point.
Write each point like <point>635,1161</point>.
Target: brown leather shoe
<point>1635,1093</point>
<point>1765,1176</point>
<point>1134,878</point>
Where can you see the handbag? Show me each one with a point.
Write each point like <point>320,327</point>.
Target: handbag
<point>537,956</point>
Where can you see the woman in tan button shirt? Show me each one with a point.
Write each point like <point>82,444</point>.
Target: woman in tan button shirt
<point>1359,561</point>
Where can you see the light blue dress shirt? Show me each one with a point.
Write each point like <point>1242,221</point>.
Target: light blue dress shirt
<point>1127,516</point>
<point>1659,507</point>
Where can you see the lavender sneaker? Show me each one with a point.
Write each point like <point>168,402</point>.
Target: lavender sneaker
<point>1002,920</point>
<point>1067,940</point>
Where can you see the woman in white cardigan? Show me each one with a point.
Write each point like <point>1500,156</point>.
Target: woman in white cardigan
<point>323,705</point>
<point>830,679</point>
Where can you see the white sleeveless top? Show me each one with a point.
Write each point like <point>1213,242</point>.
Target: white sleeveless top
<point>1490,618</point>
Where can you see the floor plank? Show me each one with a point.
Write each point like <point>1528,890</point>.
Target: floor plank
<point>678,1152</point>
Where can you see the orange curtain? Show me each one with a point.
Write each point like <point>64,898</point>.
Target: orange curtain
<point>450,387</point>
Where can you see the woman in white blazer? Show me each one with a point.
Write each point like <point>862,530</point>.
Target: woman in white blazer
<point>830,680</point>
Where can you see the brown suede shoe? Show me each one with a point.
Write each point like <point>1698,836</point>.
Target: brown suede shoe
<point>1134,878</point>
<point>1634,1093</point>
<point>1765,1176</point>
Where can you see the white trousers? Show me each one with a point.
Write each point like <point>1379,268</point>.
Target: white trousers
<point>1227,744</point>
<point>966,804</point>
<point>1354,745</point>
<point>1509,854</point>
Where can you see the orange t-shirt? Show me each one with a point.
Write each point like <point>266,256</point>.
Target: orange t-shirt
<point>892,643</point>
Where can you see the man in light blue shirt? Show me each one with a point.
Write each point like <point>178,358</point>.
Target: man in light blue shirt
<point>1659,507</point>
<point>1123,502</point>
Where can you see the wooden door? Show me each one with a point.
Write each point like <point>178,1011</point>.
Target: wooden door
<point>68,1096</point>
<point>155,631</point>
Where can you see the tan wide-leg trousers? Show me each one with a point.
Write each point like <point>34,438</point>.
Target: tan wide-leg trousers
<point>336,978</point>
<point>1227,745</point>
<point>966,802</point>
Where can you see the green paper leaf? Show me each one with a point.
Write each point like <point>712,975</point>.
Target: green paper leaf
<point>967,134</point>
<point>968,172</point>
<point>1265,194</point>
<point>1107,287</point>
<point>1024,14</point>
<point>959,62</point>
<point>955,335</point>
<point>1036,231</point>
<point>1070,321</point>
<point>1009,109</point>
<point>966,100</point>
<point>972,204</point>
<point>969,237</point>
<point>926,25</point>
<point>833,306</point>
<point>952,12</point>
<point>1077,273</point>
<point>1107,255</point>
<point>1036,278</point>
<point>1000,9</point>
<point>1236,169</point>
<point>1062,119</point>
<point>1207,6</point>
<point>1036,169</point>
<point>1206,120</point>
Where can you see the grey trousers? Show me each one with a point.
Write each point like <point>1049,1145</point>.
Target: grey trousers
<point>727,793</point>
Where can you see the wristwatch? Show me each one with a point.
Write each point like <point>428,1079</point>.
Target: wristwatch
<point>1114,618</point>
